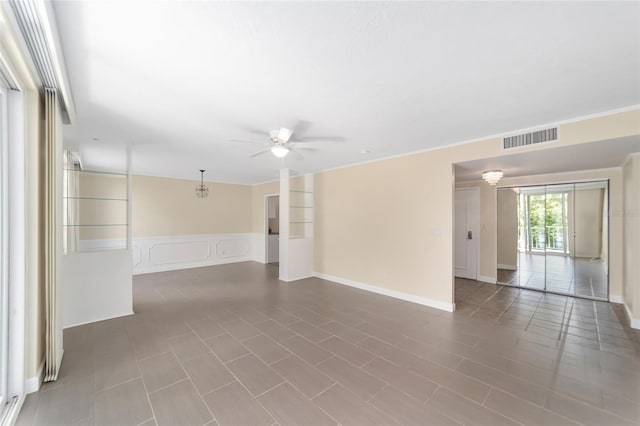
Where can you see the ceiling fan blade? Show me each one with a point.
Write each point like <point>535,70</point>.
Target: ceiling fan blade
<point>255,131</point>
<point>243,141</point>
<point>311,139</point>
<point>249,142</point>
<point>262,151</point>
<point>301,127</point>
<point>296,153</point>
<point>306,148</point>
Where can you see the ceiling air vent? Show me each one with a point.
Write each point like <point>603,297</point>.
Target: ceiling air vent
<point>532,138</point>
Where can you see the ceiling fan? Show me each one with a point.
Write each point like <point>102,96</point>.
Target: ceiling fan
<point>281,142</point>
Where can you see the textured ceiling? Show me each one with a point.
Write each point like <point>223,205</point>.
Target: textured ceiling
<point>177,79</point>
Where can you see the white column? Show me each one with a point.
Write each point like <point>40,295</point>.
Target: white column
<point>284,225</point>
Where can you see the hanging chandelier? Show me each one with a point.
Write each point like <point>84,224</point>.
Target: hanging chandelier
<point>201,190</point>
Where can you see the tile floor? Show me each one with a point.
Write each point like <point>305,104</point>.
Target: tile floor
<point>231,345</point>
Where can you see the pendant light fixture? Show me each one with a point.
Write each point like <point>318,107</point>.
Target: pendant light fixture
<point>201,190</point>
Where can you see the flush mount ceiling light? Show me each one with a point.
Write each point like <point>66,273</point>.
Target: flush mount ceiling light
<point>201,190</point>
<point>279,151</point>
<point>492,176</point>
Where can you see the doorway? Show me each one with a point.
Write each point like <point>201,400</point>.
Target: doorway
<point>554,238</point>
<point>272,229</point>
<point>466,237</point>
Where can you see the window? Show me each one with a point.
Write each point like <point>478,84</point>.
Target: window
<point>543,222</point>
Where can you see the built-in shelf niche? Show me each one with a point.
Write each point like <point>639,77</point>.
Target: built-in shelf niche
<point>95,210</point>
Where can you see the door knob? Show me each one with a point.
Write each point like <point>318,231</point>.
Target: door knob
<point>469,235</point>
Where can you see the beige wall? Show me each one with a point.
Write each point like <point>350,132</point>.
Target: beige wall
<point>631,220</point>
<point>378,224</point>
<point>507,224</point>
<point>390,223</point>
<point>104,205</point>
<point>169,207</point>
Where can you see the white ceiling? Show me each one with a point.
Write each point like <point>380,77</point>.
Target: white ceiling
<point>177,79</point>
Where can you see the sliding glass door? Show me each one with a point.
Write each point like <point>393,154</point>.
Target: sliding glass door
<point>554,238</point>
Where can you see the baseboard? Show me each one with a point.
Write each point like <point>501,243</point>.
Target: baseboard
<point>508,267</point>
<point>178,266</point>
<point>126,314</point>
<point>616,298</point>
<point>633,323</point>
<point>449,307</point>
<point>32,384</point>
<point>485,279</point>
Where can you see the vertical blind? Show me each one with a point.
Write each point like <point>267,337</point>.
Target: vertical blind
<point>52,351</point>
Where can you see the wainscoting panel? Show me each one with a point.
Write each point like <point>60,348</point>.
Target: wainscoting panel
<point>157,254</point>
<point>179,252</point>
<point>233,248</point>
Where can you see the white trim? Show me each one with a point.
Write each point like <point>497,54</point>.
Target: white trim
<point>181,266</point>
<point>8,75</point>
<point>486,279</point>
<point>126,314</point>
<point>17,241</point>
<point>634,323</point>
<point>449,307</point>
<point>5,253</point>
<point>195,251</point>
<point>629,157</point>
<point>507,267</point>
<point>616,298</point>
<point>32,384</point>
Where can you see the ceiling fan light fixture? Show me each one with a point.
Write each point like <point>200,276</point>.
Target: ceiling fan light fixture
<point>492,176</point>
<point>279,151</point>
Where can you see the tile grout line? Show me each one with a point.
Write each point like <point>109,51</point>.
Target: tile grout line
<point>120,383</point>
<point>146,392</point>
<point>236,377</point>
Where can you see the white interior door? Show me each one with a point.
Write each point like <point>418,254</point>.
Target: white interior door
<point>467,208</point>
